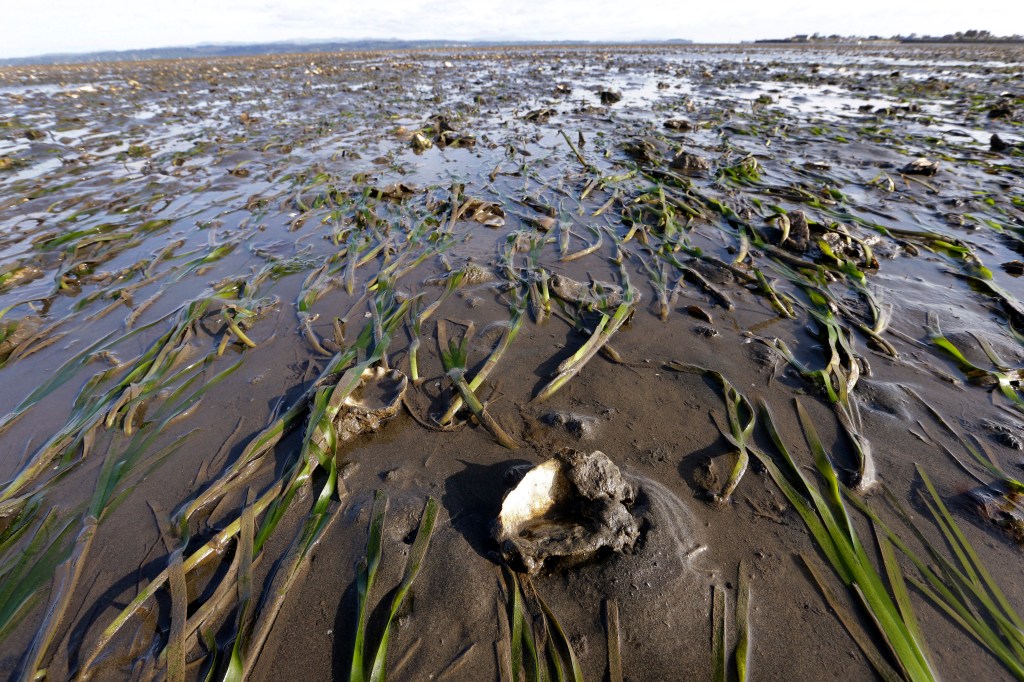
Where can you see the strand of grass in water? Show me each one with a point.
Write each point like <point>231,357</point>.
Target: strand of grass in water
<point>599,338</point>
<point>365,577</point>
<point>492,360</point>
<point>838,541</point>
<point>614,640</point>
<point>412,568</point>
<point>946,593</point>
<point>742,654</point>
<point>105,499</point>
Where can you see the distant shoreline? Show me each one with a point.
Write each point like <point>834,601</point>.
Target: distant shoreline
<point>371,47</point>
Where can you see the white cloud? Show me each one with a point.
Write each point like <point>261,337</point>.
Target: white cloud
<point>75,26</point>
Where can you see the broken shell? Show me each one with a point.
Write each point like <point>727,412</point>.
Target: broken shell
<point>567,508</point>
<point>377,398</point>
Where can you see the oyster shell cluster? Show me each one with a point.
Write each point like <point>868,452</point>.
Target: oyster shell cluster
<point>567,508</point>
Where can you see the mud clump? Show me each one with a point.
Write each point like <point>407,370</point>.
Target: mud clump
<point>679,124</point>
<point>690,164</point>
<point>1003,506</point>
<point>596,294</point>
<point>799,232</point>
<point>578,425</point>
<point>566,510</point>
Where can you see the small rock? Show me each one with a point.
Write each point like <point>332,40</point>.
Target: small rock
<point>690,164</point>
<point>1005,434</point>
<point>1002,109</point>
<point>609,97</point>
<point>799,232</point>
<point>699,313</point>
<point>679,124</point>
<point>597,294</point>
<point>1014,268</point>
<point>921,166</point>
<point>539,115</point>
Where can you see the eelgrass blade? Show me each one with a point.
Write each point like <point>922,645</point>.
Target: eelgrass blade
<point>945,590</point>
<point>212,548</point>
<point>412,568</point>
<point>492,360</point>
<point>600,337</point>
<point>899,587</point>
<point>479,411</point>
<point>365,577</point>
<point>737,408</point>
<point>236,664</point>
<point>316,525</point>
<point>742,654</point>
<point>849,621</point>
<point>515,623</point>
<point>560,641</point>
<point>176,650</point>
<point>66,577</point>
<point>839,542</point>
<point>611,612</point>
<point>32,570</point>
<point>719,660</point>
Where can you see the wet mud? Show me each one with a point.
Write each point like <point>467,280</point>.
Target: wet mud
<point>240,296</point>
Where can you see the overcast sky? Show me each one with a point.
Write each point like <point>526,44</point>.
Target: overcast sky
<point>47,26</point>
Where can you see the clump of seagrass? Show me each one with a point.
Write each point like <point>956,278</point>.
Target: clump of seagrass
<point>567,508</point>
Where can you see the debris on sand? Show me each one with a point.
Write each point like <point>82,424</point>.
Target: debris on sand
<point>567,508</point>
<point>690,164</point>
<point>600,294</point>
<point>421,142</point>
<point>1014,268</point>
<point>487,213</point>
<point>579,425</point>
<point>376,399</point>
<point>921,166</point>
<point>679,124</point>
<point>1003,506</point>
<point>796,232</point>
<point>539,115</point>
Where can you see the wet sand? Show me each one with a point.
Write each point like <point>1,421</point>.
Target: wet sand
<point>146,208</point>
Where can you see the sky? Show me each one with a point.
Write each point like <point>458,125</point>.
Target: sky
<point>69,26</point>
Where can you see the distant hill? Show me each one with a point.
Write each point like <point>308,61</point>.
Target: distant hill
<point>287,47</point>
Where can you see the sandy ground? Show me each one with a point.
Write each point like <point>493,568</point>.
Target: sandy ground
<point>274,172</point>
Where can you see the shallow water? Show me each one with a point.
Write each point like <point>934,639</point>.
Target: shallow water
<point>250,187</point>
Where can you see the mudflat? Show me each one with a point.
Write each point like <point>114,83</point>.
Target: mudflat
<point>279,334</point>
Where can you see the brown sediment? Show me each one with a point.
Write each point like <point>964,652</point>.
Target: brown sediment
<point>200,259</point>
